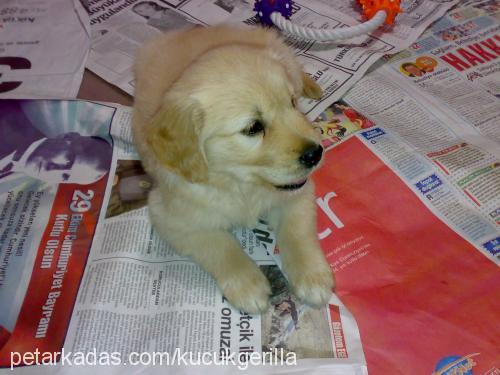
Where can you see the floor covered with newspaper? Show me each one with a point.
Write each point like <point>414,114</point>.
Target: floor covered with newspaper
<point>408,201</point>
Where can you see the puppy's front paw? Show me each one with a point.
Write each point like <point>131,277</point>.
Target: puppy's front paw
<point>311,282</point>
<point>247,290</point>
<point>310,88</point>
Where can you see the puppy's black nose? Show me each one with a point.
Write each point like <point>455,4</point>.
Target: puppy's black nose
<point>311,156</point>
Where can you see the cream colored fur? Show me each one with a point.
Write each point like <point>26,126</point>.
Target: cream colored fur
<point>198,92</point>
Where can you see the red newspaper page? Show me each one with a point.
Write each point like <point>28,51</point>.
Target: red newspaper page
<point>60,261</point>
<point>52,185</point>
<point>425,300</point>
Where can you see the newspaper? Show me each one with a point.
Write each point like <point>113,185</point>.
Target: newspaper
<point>410,205</point>
<point>408,200</point>
<point>119,27</point>
<point>456,123</point>
<point>84,277</point>
<point>86,281</point>
<point>43,48</point>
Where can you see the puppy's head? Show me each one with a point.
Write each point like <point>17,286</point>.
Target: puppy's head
<point>234,112</point>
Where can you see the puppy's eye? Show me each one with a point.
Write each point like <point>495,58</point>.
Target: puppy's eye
<point>257,127</point>
<point>294,102</point>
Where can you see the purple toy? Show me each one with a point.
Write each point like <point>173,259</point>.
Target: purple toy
<point>264,8</point>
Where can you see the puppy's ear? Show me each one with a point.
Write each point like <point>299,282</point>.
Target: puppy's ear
<point>310,88</point>
<point>174,139</point>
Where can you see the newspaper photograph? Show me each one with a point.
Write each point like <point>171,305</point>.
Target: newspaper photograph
<point>40,58</point>
<point>120,27</point>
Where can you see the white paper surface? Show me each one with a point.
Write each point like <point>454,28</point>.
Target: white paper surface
<point>43,48</point>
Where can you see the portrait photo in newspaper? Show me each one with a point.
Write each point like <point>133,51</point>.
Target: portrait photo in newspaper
<point>160,17</point>
<point>230,5</point>
<point>47,145</point>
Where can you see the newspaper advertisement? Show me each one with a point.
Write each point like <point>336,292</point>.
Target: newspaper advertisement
<point>86,280</point>
<point>119,27</point>
<point>43,48</point>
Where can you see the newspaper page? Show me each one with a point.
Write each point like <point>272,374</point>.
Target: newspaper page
<point>53,177</point>
<point>416,263</point>
<point>86,281</point>
<point>43,48</point>
<point>448,117</point>
<point>119,27</point>
<point>456,65</point>
<point>141,304</point>
<point>409,213</point>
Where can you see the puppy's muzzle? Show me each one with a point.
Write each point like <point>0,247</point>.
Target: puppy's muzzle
<point>311,156</point>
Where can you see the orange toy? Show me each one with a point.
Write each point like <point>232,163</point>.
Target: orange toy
<point>371,7</point>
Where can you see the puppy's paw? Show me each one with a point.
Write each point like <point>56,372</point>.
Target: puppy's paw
<point>312,282</point>
<point>311,89</point>
<point>247,290</point>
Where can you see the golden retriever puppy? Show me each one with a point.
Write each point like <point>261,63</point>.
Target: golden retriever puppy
<point>216,125</point>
